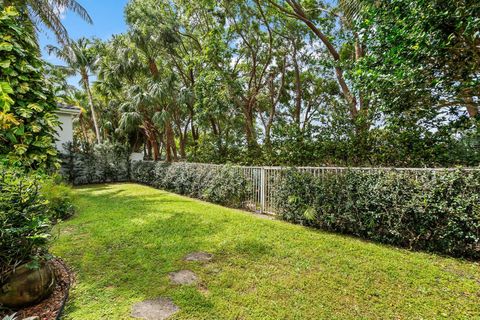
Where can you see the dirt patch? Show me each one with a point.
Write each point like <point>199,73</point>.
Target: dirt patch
<point>51,307</point>
<point>157,309</point>
<point>199,256</point>
<point>183,277</point>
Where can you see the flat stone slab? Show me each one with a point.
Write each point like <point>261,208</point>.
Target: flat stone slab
<point>156,309</point>
<point>183,277</point>
<point>199,256</point>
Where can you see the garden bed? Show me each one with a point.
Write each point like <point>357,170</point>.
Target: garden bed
<point>52,307</point>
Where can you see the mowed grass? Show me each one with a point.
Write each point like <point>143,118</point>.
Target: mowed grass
<point>126,238</point>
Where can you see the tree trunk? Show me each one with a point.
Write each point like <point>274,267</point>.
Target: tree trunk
<point>472,107</point>
<point>170,147</point>
<point>299,12</point>
<point>249,127</point>
<point>86,84</point>
<point>156,149</point>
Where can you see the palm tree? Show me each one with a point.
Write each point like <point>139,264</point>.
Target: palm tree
<point>48,13</point>
<point>81,59</point>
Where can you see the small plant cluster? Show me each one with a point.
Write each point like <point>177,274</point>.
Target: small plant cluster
<point>217,184</point>
<point>88,164</point>
<point>30,203</point>
<point>433,211</point>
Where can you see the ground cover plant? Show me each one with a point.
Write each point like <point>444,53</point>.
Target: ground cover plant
<point>127,238</point>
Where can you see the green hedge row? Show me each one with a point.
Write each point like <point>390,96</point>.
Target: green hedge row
<point>437,212</point>
<point>88,164</point>
<point>433,211</point>
<point>217,184</point>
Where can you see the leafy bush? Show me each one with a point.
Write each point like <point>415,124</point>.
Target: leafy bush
<point>87,164</point>
<point>226,188</point>
<point>430,211</point>
<point>216,184</point>
<point>24,220</point>
<point>143,172</point>
<point>59,198</point>
<point>27,104</point>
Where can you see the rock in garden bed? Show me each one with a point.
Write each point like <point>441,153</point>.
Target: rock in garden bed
<point>52,306</point>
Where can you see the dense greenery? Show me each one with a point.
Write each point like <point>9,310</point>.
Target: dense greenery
<point>214,184</point>
<point>90,163</point>
<point>30,202</point>
<point>24,220</point>
<point>27,105</point>
<point>127,238</point>
<point>287,82</point>
<point>59,198</point>
<point>435,211</point>
<point>40,13</point>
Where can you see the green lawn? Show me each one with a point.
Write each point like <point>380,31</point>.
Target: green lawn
<point>126,238</point>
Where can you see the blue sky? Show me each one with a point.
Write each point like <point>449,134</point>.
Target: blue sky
<point>107,18</point>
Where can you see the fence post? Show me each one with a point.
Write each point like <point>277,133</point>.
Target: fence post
<point>262,189</point>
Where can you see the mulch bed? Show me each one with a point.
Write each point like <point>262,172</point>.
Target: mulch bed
<point>51,307</point>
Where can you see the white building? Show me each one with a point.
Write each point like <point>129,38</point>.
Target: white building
<point>65,131</point>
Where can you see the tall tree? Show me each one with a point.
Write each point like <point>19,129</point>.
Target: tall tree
<point>80,57</point>
<point>49,14</point>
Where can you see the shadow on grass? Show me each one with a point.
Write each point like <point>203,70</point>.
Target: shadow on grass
<point>133,236</point>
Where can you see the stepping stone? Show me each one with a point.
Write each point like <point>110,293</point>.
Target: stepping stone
<point>183,277</point>
<point>157,309</point>
<point>199,256</point>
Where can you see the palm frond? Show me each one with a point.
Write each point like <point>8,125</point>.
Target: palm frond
<point>351,8</point>
<point>75,7</point>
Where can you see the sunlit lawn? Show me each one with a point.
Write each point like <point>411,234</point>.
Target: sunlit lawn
<point>126,238</point>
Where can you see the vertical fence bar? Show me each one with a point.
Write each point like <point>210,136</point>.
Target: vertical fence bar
<point>262,189</point>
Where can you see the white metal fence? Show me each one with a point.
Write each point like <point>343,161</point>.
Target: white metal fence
<point>262,181</point>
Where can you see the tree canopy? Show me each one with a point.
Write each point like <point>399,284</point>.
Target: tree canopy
<point>292,82</point>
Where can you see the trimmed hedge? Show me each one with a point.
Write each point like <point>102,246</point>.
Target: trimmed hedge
<point>88,164</point>
<point>437,212</point>
<point>432,211</point>
<point>217,184</point>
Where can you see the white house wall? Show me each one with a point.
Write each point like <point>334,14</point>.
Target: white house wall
<point>65,132</point>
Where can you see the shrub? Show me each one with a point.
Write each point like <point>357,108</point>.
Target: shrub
<point>24,220</point>
<point>216,184</point>
<point>87,164</point>
<point>59,198</point>
<point>432,211</point>
<point>226,188</point>
<point>143,172</point>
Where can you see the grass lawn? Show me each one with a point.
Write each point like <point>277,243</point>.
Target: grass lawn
<point>126,238</point>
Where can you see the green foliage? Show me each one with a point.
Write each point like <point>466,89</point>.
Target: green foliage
<point>27,119</point>
<point>218,184</point>
<point>437,211</point>
<point>59,198</point>
<point>84,164</point>
<point>420,75</point>
<point>24,220</point>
